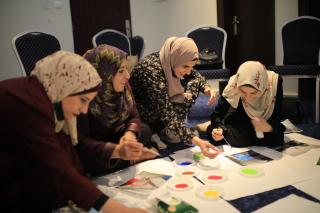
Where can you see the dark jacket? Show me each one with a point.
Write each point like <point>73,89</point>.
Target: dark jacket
<point>237,126</point>
<point>93,133</point>
<point>41,170</point>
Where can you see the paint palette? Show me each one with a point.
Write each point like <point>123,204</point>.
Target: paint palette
<point>181,184</point>
<point>249,171</point>
<point>212,177</point>
<point>184,162</point>
<point>209,193</point>
<point>187,172</point>
<point>208,164</point>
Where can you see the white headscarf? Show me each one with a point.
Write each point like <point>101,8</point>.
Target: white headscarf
<point>63,74</point>
<point>253,73</point>
<point>175,52</point>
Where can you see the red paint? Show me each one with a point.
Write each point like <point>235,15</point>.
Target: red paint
<point>132,181</point>
<point>214,177</point>
<point>181,185</point>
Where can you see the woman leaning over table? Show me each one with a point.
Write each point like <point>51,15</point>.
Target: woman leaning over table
<point>41,170</point>
<point>165,86</point>
<point>249,110</point>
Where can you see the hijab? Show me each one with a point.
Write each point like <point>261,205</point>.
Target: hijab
<point>175,52</point>
<point>63,74</point>
<point>110,107</point>
<point>253,73</point>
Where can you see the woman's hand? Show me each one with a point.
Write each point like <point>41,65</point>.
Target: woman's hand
<point>217,134</point>
<point>128,149</point>
<point>206,147</point>
<point>114,206</point>
<point>128,135</point>
<point>261,125</point>
<point>213,95</point>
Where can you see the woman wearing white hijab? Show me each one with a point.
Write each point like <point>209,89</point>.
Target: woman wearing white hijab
<point>41,169</point>
<point>248,113</point>
<point>165,86</point>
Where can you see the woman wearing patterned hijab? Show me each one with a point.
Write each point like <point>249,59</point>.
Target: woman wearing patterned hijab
<point>113,117</point>
<point>42,169</point>
<point>165,86</point>
<point>250,107</point>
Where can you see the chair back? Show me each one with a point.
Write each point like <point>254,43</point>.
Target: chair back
<point>301,41</point>
<point>114,38</point>
<point>210,37</point>
<point>137,45</point>
<point>31,46</point>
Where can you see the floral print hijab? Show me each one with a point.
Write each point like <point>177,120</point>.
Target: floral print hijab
<point>110,107</point>
<point>63,74</point>
<point>253,73</point>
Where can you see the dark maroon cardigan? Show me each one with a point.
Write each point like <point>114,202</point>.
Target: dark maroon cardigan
<point>40,169</point>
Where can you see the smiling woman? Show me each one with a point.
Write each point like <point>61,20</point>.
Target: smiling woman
<point>165,86</point>
<point>113,119</point>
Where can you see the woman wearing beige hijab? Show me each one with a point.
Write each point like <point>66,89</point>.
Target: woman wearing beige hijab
<point>248,113</point>
<point>41,169</point>
<point>165,86</point>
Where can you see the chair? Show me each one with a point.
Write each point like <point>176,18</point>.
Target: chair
<point>31,46</point>
<point>137,45</point>
<point>113,38</point>
<point>301,44</point>
<point>214,38</point>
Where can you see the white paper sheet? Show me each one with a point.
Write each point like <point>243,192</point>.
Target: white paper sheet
<point>302,138</point>
<point>158,166</point>
<point>292,204</point>
<point>311,187</point>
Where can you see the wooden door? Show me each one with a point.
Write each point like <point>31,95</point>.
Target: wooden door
<point>250,28</point>
<point>92,16</point>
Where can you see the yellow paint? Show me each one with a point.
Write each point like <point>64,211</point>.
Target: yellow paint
<point>211,194</point>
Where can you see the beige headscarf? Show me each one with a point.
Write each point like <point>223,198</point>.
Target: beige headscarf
<point>255,74</point>
<point>63,74</point>
<point>175,52</point>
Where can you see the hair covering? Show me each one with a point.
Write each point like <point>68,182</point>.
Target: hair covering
<point>63,74</point>
<point>175,52</point>
<point>253,73</point>
<point>110,107</point>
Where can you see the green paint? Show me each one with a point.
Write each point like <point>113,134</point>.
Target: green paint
<point>198,156</point>
<point>249,171</point>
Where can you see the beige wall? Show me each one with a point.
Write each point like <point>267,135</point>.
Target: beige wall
<point>52,16</point>
<point>157,20</point>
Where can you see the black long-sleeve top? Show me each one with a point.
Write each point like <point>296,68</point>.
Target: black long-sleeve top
<point>226,117</point>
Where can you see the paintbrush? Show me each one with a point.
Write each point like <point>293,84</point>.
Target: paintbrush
<point>152,151</point>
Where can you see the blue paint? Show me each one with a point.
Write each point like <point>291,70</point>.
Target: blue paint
<point>185,163</point>
<point>166,177</point>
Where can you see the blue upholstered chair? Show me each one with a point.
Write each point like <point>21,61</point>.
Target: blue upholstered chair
<point>301,45</point>
<point>113,38</point>
<point>211,38</point>
<point>137,45</point>
<point>31,46</point>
